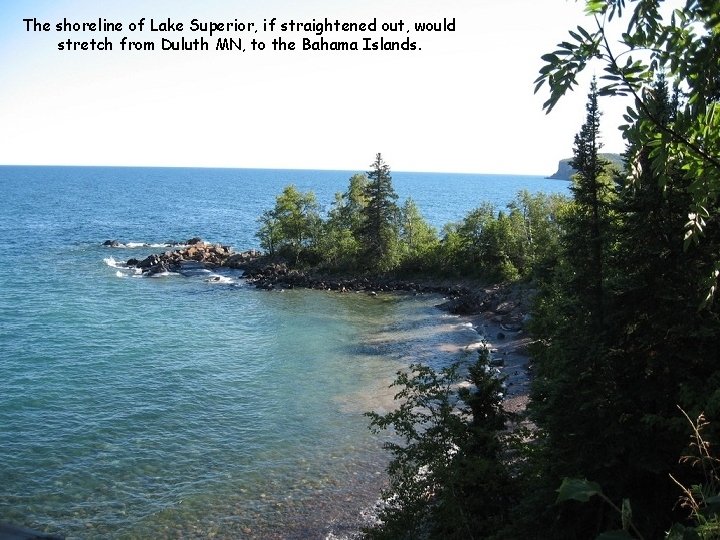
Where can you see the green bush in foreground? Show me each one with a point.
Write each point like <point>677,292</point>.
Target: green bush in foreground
<point>448,475</point>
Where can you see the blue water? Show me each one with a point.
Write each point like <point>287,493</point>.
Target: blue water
<point>177,407</point>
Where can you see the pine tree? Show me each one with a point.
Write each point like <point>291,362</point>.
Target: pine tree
<point>379,231</point>
<point>573,394</point>
<point>588,228</point>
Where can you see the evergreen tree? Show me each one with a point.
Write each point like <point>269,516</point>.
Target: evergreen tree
<point>573,393</point>
<point>588,228</point>
<point>608,382</point>
<point>379,230</point>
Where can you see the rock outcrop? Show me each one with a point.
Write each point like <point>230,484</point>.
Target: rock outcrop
<point>507,305</point>
<point>198,251</point>
<point>565,170</point>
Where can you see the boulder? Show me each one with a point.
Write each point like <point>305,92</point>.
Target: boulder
<point>111,243</point>
<point>505,307</point>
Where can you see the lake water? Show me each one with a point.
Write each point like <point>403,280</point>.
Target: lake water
<point>180,407</point>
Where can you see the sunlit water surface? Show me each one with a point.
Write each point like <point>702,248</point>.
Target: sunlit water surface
<point>185,407</point>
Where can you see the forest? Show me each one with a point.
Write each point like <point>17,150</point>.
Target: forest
<point>619,437</point>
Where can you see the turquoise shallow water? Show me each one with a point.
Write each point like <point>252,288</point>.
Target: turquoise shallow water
<point>176,407</point>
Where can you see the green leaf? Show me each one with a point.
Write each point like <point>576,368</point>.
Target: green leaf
<point>575,489</point>
<point>595,7</point>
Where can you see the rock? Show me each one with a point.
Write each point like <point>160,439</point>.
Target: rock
<point>159,268</point>
<point>500,335</point>
<point>111,243</point>
<point>132,262</point>
<point>194,240</point>
<point>505,307</point>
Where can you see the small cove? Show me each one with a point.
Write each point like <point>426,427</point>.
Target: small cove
<point>176,407</point>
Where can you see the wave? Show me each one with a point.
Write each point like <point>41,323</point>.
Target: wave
<point>123,270</point>
<point>136,245</point>
<point>161,274</point>
<point>112,263</point>
<point>215,278</point>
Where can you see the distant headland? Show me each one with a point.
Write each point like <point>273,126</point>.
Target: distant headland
<point>565,170</point>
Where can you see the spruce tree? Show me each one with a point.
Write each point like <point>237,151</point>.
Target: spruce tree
<point>589,227</point>
<point>572,393</point>
<point>379,230</point>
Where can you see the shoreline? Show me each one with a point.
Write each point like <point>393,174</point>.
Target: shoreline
<point>516,367</point>
<point>497,312</point>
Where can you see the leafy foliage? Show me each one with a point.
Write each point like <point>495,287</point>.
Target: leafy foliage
<point>418,240</point>
<point>684,46</point>
<point>447,475</point>
<point>502,246</point>
<point>621,339</point>
<point>340,244</point>
<point>292,226</point>
<point>366,231</point>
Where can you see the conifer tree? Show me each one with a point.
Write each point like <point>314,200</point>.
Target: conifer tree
<point>573,397</point>
<point>379,231</point>
<point>589,227</point>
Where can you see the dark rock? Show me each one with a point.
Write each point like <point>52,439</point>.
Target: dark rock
<point>132,262</point>
<point>111,243</point>
<point>194,240</point>
<point>505,308</point>
<point>159,268</point>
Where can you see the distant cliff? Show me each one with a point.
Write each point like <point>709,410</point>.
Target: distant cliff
<point>565,171</point>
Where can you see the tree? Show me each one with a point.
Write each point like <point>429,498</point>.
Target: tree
<point>339,244</point>
<point>447,476</point>
<point>379,229</point>
<point>683,45</point>
<point>472,233</point>
<point>269,233</point>
<point>541,218</point>
<point>418,239</point>
<point>574,394</point>
<point>588,228</point>
<point>348,208</point>
<point>293,224</point>
<point>605,393</point>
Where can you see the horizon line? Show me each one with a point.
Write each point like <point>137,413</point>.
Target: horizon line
<point>261,168</point>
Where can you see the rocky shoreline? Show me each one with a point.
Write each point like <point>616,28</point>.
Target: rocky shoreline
<point>464,298</point>
<point>498,312</point>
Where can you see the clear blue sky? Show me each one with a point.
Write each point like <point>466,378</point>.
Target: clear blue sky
<point>463,103</point>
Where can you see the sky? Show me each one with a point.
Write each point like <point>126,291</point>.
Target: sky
<point>463,102</point>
